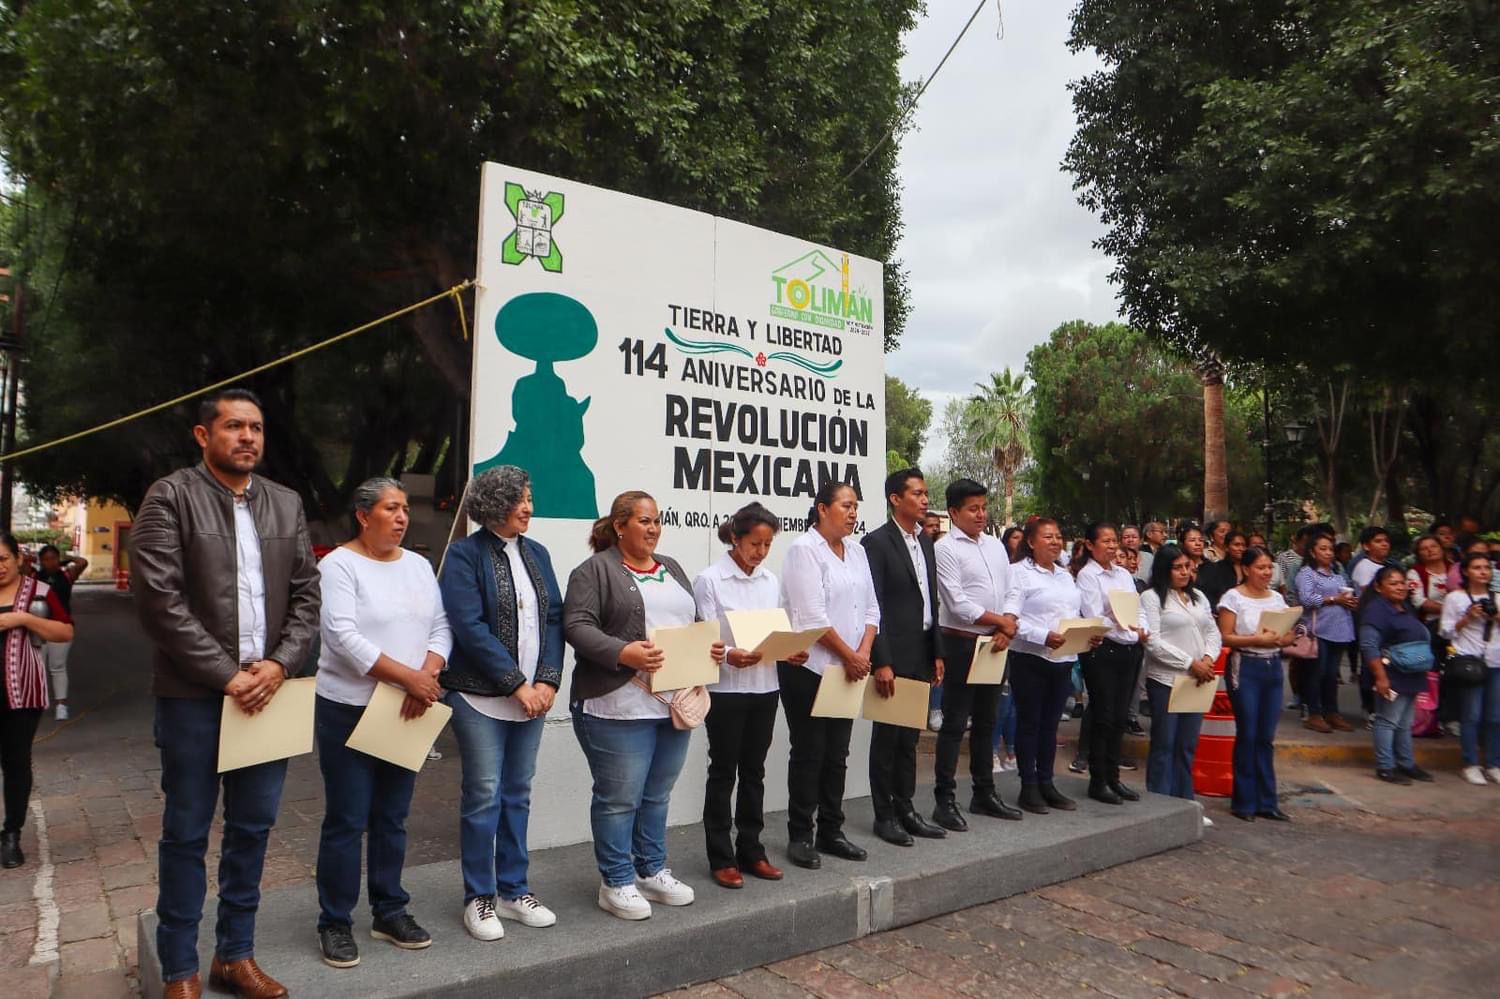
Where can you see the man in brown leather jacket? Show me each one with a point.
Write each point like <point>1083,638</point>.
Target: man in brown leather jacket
<point>226,585</point>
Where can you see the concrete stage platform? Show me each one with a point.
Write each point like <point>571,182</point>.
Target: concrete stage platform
<point>589,953</point>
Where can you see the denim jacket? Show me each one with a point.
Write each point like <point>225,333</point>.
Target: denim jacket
<point>480,662</point>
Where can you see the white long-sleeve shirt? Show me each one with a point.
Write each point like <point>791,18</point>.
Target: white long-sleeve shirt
<point>1040,599</point>
<point>973,577</point>
<point>724,587</point>
<point>372,607</point>
<point>1094,585</point>
<point>250,582</point>
<point>822,590</point>
<point>1178,634</point>
<point>1469,639</point>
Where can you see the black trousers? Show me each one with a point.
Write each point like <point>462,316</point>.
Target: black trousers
<point>739,734</point>
<point>818,759</point>
<point>17,729</point>
<point>893,769</point>
<point>1109,674</point>
<point>976,705</point>
<point>1040,688</point>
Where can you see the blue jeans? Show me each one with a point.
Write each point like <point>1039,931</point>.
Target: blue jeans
<point>1005,725</point>
<point>635,762</point>
<point>1174,740</point>
<point>1256,701</point>
<point>1480,709</point>
<point>364,799</point>
<point>187,733</point>
<point>1040,688</point>
<point>499,760</point>
<point>1321,688</point>
<point>1393,732</point>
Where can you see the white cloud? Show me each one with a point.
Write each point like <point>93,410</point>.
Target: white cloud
<point>998,250</point>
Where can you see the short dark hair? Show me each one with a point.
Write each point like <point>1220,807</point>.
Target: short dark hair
<point>895,483</point>
<point>960,490</point>
<point>208,408</point>
<point>1371,533</point>
<point>746,519</point>
<point>46,550</point>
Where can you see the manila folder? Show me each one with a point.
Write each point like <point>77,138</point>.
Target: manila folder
<point>1191,697</point>
<point>687,659</point>
<point>385,735</point>
<point>907,707</point>
<point>988,665</point>
<point>838,697</point>
<point>282,728</point>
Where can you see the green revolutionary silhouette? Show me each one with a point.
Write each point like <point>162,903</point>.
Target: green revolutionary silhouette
<point>548,438</point>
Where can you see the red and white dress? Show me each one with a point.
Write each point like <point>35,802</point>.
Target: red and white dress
<point>25,672</point>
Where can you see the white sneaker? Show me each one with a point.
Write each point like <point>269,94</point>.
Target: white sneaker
<point>433,754</point>
<point>1453,728</point>
<point>1473,775</point>
<point>480,919</point>
<point>1493,773</point>
<point>62,712</point>
<point>624,901</point>
<point>934,720</point>
<point>662,887</point>
<point>526,910</point>
<point>1208,823</point>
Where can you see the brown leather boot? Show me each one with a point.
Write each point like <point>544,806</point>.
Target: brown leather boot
<point>245,979</point>
<point>184,988</point>
<point>1317,724</point>
<point>1338,722</point>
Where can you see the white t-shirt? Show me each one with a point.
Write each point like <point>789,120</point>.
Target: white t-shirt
<point>723,587</point>
<point>1247,611</point>
<point>372,608</point>
<point>668,605</point>
<point>1364,573</point>
<point>1469,640</point>
<point>528,639</point>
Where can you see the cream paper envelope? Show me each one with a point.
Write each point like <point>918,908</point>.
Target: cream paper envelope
<point>779,645</point>
<point>385,735</point>
<point>1281,621</point>
<point>686,661</point>
<point>282,728</point>
<point>1188,697</point>
<point>1076,633</point>
<point>988,664</point>
<point>769,633</point>
<point>837,697</point>
<point>906,707</point>
<point>1126,605</point>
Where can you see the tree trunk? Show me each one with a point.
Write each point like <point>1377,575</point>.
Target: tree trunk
<point>1010,500</point>
<point>1215,461</point>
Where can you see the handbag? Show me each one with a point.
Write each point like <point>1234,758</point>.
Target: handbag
<point>1410,657</point>
<point>688,706</point>
<point>1464,671</point>
<point>1305,645</point>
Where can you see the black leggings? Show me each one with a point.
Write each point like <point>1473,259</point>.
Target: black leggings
<point>17,729</point>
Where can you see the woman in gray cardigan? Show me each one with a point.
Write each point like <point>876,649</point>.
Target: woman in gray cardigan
<point>613,602</point>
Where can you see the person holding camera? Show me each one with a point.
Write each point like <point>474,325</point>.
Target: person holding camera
<point>1468,622</point>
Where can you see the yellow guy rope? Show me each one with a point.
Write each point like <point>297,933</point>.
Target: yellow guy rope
<point>452,293</point>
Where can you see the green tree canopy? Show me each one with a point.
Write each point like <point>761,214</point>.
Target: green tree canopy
<point>907,417</point>
<point>209,185</point>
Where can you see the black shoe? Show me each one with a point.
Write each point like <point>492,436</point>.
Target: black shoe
<point>801,853</point>
<point>839,846</point>
<point>1393,776</point>
<point>338,947</point>
<point>1275,815</point>
<point>989,803</point>
<point>1055,798</point>
<point>1134,728</point>
<point>402,931</point>
<point>10,849</point>
<point>1079,765</point>
<point>1031,800</point>
<point>947,815</point>
<point>1077,711</point>
<point>918,826</point>
<point>1243,817</point>
<point>1124,791</point>
<point>891,831</point>
<point>1416,773</point>
<point>1099,791</point>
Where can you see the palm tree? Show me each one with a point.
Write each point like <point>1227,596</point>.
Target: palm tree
<point>996,420</point>
<point>1215,463</point>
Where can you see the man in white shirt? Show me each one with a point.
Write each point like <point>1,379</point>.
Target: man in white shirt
<point>973,573</point>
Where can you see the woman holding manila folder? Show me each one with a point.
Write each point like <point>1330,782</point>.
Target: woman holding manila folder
<point>827,584</point>
<point>743,717</point>
<point>382,621</point>
<point>615,600</point>
<point>505,608</point>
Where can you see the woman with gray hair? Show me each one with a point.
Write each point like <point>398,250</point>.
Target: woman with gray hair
<point>505,609</point>
<point>382,620</point>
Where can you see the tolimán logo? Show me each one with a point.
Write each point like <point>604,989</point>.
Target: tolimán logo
<point>535,214</point>
<point>815,290</point>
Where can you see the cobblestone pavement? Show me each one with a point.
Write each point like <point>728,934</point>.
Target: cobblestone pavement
<point>1373,889</point>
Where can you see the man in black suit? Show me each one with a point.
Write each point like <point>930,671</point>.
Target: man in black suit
<point>909,645</point>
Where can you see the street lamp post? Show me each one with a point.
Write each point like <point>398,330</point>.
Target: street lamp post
<point>1265,455</point>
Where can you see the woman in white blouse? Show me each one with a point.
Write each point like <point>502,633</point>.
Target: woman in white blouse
<point>827,584</point>
<point>1254,687</point>
<point>382,620</point>
<point>1181,637</point>
<point>1042,594</point>
<point>743,716</point>
<point>1109,671</point>
<point>1469,622</point>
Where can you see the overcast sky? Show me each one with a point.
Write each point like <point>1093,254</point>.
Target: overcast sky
<point>997,248</point>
